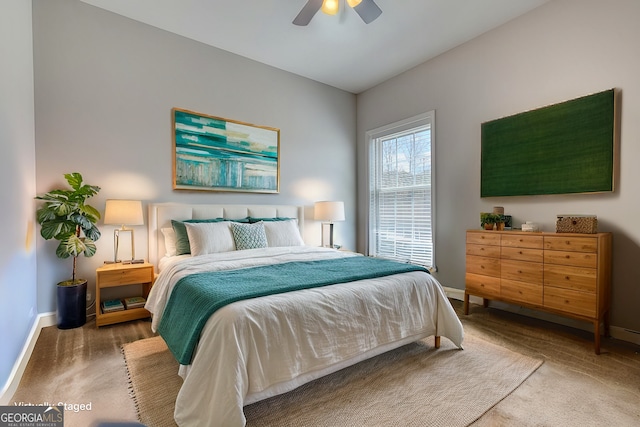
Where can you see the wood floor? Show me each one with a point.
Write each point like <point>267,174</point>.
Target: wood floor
<point>85,366</point>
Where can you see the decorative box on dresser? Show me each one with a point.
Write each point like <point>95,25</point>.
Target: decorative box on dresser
<point>562,273</point>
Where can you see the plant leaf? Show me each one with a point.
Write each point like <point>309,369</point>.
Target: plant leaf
<point>89,248</point>
<point>91,212</point>
<point>92,233</point>
<point>71,245</point>
<point>74,179</point>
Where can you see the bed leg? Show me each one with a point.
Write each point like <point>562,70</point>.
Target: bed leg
<point>437,341</point>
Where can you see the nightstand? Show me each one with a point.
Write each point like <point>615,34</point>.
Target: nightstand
<point>114,275</point>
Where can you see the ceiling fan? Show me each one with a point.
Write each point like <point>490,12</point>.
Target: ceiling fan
<point>367,9</point>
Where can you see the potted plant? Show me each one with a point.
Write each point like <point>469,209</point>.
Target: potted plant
<point>66,217</point>
<point>487,220</point>
<point>500,221</point>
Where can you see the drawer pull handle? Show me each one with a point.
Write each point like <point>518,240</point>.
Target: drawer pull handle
<point>567,277</point>
<point>520,252</point>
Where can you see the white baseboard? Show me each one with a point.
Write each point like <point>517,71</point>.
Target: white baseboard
<point>42,321</point>
<point>625,334</point>
<point>616,332</point>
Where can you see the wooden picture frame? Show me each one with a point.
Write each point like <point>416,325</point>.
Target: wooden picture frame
<point>216,154</point>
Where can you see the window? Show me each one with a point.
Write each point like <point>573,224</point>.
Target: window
<point>401,191</point>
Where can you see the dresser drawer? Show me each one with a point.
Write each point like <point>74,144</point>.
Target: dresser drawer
<point>571,243</point>
<point>522,271</point>
<point>522,254</point>
<point>576,259</point>
<point>576,278</point>
<point>567,300</point>
<point>483,265</point>
<point>483,250</point>
<point>522,241</point>
<point>483,238</point>
<point>482,285</point>
<point>521,292</point>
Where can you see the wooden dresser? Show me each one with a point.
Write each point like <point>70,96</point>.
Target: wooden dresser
<point>562,273</point>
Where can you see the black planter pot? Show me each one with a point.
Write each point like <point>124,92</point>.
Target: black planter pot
<point>72,305</point>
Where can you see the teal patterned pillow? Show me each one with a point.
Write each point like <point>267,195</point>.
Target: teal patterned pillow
<point>249,236</point>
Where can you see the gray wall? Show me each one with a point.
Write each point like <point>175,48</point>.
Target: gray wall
<point>560,51</point>
<point>104,89</point>
<point>17,184</point>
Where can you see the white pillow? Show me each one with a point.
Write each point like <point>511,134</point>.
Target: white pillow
<point>210,237</point>
<point>283,233</point>
<point>169,240</point>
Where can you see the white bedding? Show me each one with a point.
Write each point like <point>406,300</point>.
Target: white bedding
<point>258,348</point>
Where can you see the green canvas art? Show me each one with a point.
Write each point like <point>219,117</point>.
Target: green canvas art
<point>560,149</point>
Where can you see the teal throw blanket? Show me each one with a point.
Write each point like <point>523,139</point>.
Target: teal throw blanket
<point>196,297</point>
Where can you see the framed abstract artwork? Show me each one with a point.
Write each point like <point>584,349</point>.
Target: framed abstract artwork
<point>215,154</point>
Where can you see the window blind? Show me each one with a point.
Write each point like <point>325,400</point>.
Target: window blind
<point>401,208</point>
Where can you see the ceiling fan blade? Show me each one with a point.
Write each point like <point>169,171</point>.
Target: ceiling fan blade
<point>368,11</point>
<point>308,11</point>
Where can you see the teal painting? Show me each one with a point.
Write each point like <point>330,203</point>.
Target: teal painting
<point>216,154</point>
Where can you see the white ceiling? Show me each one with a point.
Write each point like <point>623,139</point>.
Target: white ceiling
<point>341,51</point>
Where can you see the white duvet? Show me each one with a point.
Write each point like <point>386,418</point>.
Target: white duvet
<point>258,348</point>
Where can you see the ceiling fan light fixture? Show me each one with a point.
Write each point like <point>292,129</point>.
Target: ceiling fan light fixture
<point>330,7</point>
<point>368,10</point>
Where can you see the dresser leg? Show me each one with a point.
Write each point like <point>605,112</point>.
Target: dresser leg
<point>437,341</point>
<point>596,336</point>
<point>485,302</point>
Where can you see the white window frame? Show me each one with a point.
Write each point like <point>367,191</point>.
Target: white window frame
<point>412,123</point>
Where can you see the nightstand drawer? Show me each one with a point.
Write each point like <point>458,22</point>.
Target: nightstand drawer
<point>126,277</point>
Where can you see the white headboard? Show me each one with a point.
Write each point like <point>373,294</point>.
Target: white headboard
<point>161,214</point>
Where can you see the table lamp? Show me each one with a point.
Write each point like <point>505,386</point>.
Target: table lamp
<point>329,211</point>
<point>123,213</point>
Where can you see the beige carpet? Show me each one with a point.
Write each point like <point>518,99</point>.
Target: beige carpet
<point>415,385</point>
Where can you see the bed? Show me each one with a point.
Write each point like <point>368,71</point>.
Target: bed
<point>299,315</point>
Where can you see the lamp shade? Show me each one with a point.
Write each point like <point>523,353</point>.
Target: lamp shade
<point>329,211</point>
<point>123,212</point>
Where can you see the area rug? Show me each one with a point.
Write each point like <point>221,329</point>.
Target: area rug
<point>415,385</point>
